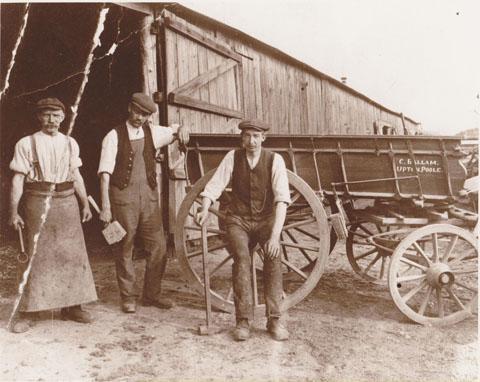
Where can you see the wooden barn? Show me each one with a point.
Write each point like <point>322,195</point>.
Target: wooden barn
<point>202,73</point>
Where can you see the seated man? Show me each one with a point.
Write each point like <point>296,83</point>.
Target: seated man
<point>256,214</point>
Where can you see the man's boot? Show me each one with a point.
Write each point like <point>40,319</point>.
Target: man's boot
<point>23,322</point>
<point>276,329</point>
<point>75,313</point>
<point>242,330</point>
<point>161,303</point>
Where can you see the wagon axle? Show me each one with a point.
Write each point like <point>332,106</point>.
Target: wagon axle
<point>440,275</point>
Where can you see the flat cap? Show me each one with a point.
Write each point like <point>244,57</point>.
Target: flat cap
<point>50,103</point>
<point>144,102</point>
<point>253,124</point>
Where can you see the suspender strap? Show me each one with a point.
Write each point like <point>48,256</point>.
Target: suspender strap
<point>36,165</point>
<point>69,148</point>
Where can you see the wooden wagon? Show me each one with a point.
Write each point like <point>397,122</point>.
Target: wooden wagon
<point>395,197</point>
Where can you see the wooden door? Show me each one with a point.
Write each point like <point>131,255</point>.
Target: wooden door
<point>203,89</point>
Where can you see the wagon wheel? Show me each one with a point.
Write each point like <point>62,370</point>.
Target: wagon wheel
<point>370,263</point>
<point>433,275</point>
<point>303,255</point>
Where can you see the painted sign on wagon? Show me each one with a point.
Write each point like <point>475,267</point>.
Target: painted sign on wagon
<point>424,166</point>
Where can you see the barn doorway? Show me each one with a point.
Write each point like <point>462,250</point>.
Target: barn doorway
<point>50,63</point>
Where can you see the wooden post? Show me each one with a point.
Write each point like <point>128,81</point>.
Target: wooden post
<point>148,54</point>
<point>148,43</point>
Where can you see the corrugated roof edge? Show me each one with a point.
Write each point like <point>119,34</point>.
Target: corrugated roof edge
<point>198,18</point>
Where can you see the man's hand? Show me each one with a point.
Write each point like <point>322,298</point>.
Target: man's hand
<point>272,248</point>
<point>16,221</point>
<point>202,216</point>
<point>106,215</point>
<point>86,214</point>
<point>183,133</point>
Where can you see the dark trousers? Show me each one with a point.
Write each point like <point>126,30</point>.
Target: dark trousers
<point>142,218</point>
<point>243,235</point>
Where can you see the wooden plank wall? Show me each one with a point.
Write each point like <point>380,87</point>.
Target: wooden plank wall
<point>290,99</point>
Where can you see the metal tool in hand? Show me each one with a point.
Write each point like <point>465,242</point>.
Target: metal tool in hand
<point>22,257</point>
<point>113,232</point>
<point>206,329</point>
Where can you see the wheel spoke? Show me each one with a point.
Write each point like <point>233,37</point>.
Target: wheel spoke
<point>466,286</point>
<point>410,278</point>
<point>372,263</point>
<point>293,245</point>
<point>405,271</point>
<point>362,243</point>
<point>458,260</point>
<point>295,197</point>
<point>301,250</point>
<point>229,294</point>
<point>362,227</point>
<point>441,311</point>
<point>363,236</point>
<point>435,247</point>
<point>199,251</point>
<point>382,267</point>
<point>311,235</point>
<point>365,254</point>
<point>449,249</point>
<point>285,253</point>
<point>413,264</point>
<point>224,261</point>
<point>414,291</point>
<point>299,215</point>
<point>294,268</point>
<point>284,250</point>
<point>421,252</point>
<point>423,306</point>
<point>464,271</point>
<point>300,223</point>
<point>455,298</point>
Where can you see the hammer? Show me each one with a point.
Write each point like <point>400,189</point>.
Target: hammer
<point>207,329</point>
<point>113,232</point>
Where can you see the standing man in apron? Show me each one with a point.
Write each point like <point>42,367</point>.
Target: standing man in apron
<point>128,186</point>
<point>46,178</point>
<point>256,214</point>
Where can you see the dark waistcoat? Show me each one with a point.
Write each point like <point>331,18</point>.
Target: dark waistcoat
<point>124,160</point>
<point>252,194</point>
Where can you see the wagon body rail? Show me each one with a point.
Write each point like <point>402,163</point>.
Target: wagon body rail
<point>379,167</point>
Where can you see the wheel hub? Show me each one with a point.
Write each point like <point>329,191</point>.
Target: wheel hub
<point>440,275</point>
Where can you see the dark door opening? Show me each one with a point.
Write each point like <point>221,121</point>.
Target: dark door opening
<point>50,62</point>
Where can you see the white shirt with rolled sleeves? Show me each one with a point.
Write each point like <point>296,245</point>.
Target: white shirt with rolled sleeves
<point>161,135</point>
<point>223,175</point>
<point>51,151</point>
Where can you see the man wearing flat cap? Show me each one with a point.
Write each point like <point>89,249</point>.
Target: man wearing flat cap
<point>46,178</point>
<point>128,184</point>
<point>256,214</point>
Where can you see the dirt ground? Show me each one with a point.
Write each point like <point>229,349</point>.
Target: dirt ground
<point>346,330</point>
